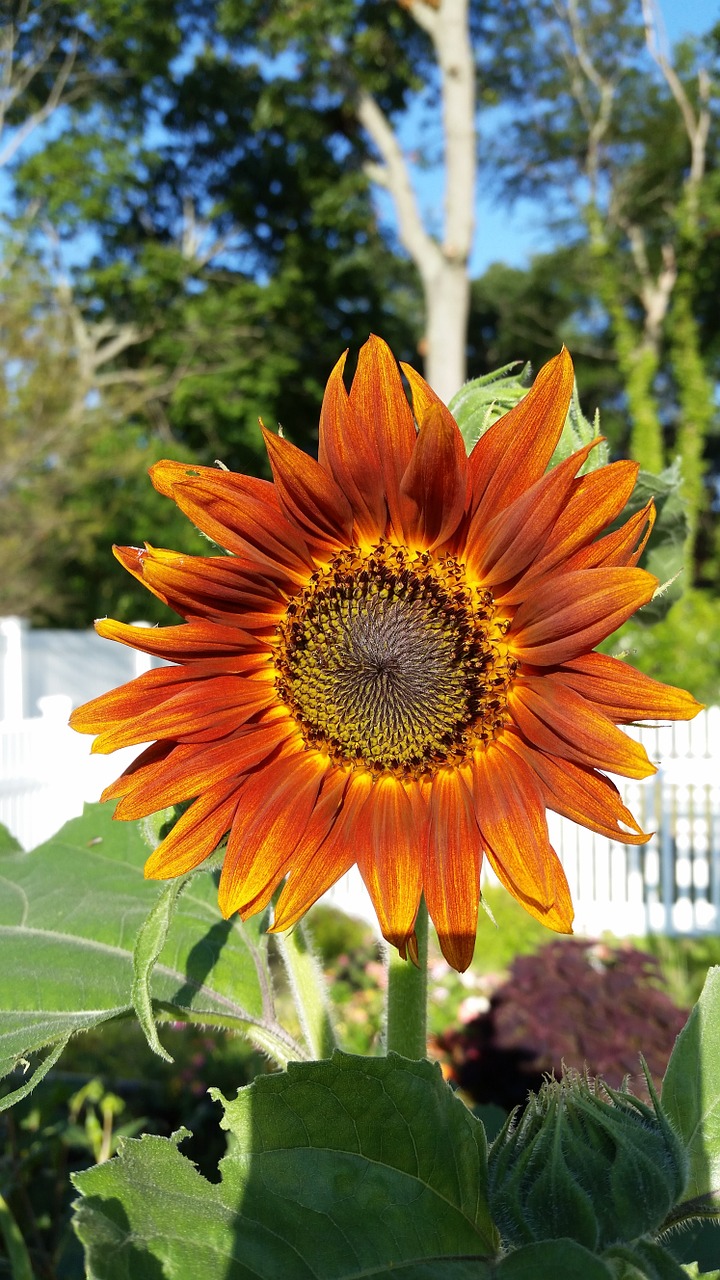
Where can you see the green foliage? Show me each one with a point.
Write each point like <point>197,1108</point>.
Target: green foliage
<point>393,1166</point>
<point>505,932</point>
<point>585,1005</point>
<point>69,916</point>
<point>378,1150</point>
<point>681,649</point>
<point>691,1100</point>
<point>337,1166</point>
<point>75,1117</point>
<point>684,963</point>
<point>355,974</point>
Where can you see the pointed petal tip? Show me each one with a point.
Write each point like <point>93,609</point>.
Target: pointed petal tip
<point>458,950</point>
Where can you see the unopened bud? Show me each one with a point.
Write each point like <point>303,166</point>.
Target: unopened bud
<point>587,1162</point>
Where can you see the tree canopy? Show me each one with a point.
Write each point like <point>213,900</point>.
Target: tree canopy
<point>192,235</point>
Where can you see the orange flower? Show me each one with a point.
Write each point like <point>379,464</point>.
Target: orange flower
<point>393,665</point>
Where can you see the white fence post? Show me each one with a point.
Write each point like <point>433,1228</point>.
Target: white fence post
<point>11,668</point>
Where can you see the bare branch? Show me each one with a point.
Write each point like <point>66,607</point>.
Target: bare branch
<point>598,121</point>
<point>55,98</point>
<point>425,13</point>
<point>697,125</point>
<point>197,244</point>
<point>422,248</point>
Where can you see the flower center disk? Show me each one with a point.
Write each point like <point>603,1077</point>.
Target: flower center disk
<point>393,661</point>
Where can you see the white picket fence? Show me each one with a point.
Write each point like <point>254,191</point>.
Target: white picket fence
<point>670,885</point>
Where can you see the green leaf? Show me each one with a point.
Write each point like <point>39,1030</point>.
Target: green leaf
<point>643,1260</point>
<point>15,1247</point>
<point>666,551</point>
<point>552,1260</point>
<point>691,1091</point>
<point>8,843</point>
<point>339,1169</point>
<point>148,945</point>
<point>70,913</point>
<point>482,401</point>
<point>692,1269</point>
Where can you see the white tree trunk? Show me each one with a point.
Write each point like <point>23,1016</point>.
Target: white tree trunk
<point>447,304</point>
<point>442,264</point>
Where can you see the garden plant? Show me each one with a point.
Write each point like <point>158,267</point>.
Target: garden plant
<point>387,658</point>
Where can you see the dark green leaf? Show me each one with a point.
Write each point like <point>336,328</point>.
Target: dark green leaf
<point>70,913</point>
<point>691,1091</point>
<point>346,1168</point>
<point>553,1260</point>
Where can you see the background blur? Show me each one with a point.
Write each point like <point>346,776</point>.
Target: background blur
<point>203,203</point>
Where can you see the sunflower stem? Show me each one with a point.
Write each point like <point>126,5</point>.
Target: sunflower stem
<point>406,1025</point>
<point>309,989</point>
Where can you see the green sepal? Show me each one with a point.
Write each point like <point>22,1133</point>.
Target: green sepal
<point>552,1260</point>
<point>645,1259</point>
<point>480,402</point>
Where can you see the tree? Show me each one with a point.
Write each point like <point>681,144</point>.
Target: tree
<point>628,135</point>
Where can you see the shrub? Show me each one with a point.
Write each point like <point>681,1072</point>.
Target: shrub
<point>583,1004</point>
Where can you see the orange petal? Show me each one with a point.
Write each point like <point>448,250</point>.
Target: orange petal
<point>516,450</point>
<point>571,612</point>
<point>558,720</point>
<point>499,549</point>
<point>352,458</point>
<point>239,513</point>
<point>276,804</point>
<point>581,794</point>
<point>141,694</point>
<point>435,482</point>
<point>623,693</point>
<point>128,780</point>
<point>193,768</point>
<point>593,502</point>
<point>200,710</point>
<point>382,410</point>
<point>390,833</point>
<point>182,643</point>
<point>424,398</point>
<point>622,547</point>
<point>309,497</point>
<point>328,848</point>
<point>511,814</point>
<point>451,867</point>
<point>196,834</point>
<point>220,589</point>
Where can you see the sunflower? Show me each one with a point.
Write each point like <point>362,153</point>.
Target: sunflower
<point>390,663</point>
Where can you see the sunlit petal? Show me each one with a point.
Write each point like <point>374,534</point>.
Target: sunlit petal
<point>393,665</point>
<point>516,450</point>
<point>451,867</point>
<point>390,834</point>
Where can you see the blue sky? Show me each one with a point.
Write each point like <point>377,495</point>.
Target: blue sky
<point>512,236</point>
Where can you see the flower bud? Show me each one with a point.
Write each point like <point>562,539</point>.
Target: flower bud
<point>587,1162</point>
